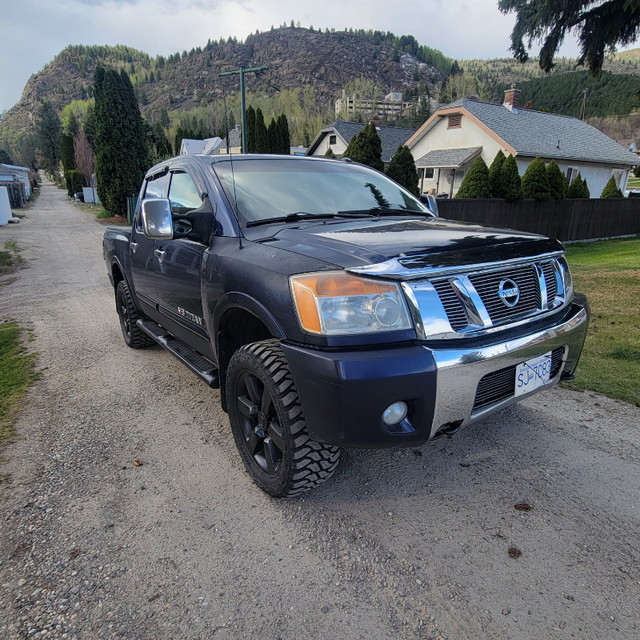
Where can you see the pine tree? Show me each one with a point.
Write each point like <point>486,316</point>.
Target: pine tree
<point>120,142</point>
<point>511,181</point>
<point>475,183</point>
<point>611,190</point>
<point>535,183</point>
<point>274,137</point>
<point>402,169</point>
<point>366,148</point>
<point>262,136</point>
<point>329,153</point>
<point>557,182</point>
<point>285,136</point>
<point>495,175</point>
<point>251,130</point>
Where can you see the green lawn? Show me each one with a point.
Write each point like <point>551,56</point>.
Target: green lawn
<point>608,272</point>
<point>633,182</point>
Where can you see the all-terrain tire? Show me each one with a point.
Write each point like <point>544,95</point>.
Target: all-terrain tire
<point>134,336</point>
<point>268,424</point>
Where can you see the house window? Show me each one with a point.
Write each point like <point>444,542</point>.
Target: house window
<point>428,174</point>
<point>332,139</point>
<point>572,172</point>
<point>455,121</point>
<point>459,176</point>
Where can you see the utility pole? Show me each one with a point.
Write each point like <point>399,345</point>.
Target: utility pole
<point>241,72</point>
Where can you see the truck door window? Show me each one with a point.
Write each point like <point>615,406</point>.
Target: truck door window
<point>184,195</point>
<point>157,186</point>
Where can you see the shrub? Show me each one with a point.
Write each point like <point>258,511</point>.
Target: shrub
<point>578,188</point>
<point>329,153</point>
<point>557,181</point>
<point>534,181</point>
<point>511,181</point>
<point>475,184</point>
<point>74,181</point>
<point>495,175</point>
<point>611,190</point>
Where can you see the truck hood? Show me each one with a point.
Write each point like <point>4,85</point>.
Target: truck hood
<point>420,243</point>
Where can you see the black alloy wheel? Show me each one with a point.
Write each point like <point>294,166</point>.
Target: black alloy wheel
<point>268,425</point>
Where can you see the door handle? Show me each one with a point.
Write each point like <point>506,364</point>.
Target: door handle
<point>158,253</point>
<point>134,246</point>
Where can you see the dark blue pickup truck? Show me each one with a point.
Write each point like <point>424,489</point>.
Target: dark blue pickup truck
<point>334,309</point>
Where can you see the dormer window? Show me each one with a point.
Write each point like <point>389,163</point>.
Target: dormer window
<point>455,121</point>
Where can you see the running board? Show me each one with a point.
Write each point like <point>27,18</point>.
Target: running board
<point>204,369</point>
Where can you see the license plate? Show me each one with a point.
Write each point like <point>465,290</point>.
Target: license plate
<point>533,374</point>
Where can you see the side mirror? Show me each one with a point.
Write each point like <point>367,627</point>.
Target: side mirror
<point>156,219</point>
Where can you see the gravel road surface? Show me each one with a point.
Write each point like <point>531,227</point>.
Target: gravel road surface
<point>128,513</point>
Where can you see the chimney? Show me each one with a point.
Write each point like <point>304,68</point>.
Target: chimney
<point>512,97</point>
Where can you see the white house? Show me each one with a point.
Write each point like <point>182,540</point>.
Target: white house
<point>455,135</point>
<point>208,146</point>
<point>337,136</point>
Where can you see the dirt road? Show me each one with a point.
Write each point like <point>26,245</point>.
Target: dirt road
<point>417,543</point>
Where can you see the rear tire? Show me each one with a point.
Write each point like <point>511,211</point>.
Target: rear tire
<point>134,336</point>
<point>268,424</point>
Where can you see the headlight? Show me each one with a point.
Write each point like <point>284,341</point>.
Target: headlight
<point>334,302</point>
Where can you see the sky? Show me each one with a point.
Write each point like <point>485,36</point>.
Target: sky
<point>33,32</point>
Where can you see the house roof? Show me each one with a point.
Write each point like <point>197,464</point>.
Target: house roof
<point>536,133</point>
<point>447,158</point>
<point>206,146</point>
<point>391,137</point>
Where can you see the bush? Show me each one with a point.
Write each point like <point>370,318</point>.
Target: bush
<point>74,181</point>
<point>578,188</point>
<point>475,184</point>
<point>611,190</point>
<point>511,181</point>
<point>495,175</point>
<point>535,183</point>
<point>557,181</point>
<point>329,153</point>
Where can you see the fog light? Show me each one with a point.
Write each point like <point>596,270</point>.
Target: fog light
<point>395,413</point>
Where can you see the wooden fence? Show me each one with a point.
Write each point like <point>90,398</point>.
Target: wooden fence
<point>571,219</point>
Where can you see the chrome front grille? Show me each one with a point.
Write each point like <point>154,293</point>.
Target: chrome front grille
<point>472,301</point>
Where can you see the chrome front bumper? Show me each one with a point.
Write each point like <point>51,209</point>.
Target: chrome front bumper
<point>459,371</point>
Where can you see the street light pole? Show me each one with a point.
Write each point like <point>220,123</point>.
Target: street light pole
<point>241,72</point>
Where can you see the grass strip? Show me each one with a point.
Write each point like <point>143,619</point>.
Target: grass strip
<point>17,373</point>
<point>608,272</point>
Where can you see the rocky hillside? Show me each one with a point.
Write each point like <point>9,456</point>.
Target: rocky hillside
<point>296,57</point>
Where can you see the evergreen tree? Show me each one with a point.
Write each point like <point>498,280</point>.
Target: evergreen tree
<point>274,137</point>
<point>557,182</point>
<point>285,136</point>
<point>366,148</point>
<point>121,150</point>
<point>329,153</point>
<point>66,153</point>
<point>261,133</point>
<point>402,169</point>
<point>578,188</point>
<point>475,184</point>
<point>611,190</point>
<point>5,158</point>
<point>535,183</point>
<point>48,129</point>
<point>511,181</point>
<point>251,130</point>
<point>495,175</point>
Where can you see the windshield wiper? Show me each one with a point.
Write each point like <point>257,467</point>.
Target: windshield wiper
<point>382,211</point>
<point>303,215</point>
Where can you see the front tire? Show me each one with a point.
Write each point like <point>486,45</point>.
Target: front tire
<point>268,424</point>
<point>134,337</point>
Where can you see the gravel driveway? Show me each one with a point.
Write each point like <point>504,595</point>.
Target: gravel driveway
<point>129,513</point>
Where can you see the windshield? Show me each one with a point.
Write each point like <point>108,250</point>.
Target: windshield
<point>274,187</point>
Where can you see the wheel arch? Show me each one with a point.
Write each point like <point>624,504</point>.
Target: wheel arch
<point>238,320</point>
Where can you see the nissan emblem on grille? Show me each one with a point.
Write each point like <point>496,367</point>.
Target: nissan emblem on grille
<point>509,292</point>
